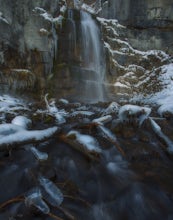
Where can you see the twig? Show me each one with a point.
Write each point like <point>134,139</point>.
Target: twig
<point>17,199</point>
<point>79,199</point>
<point>54,216</point>
<point>66,213</point>
<point>119,149</point>
<point>21,199</point>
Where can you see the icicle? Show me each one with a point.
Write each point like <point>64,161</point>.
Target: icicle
<point>84,113</point>
<point>38,154</point>
<point>34,198</point>
<point>158,131</point>
<point>52,193</point>
<point>64,101</point>
<point>107,134</point>
<point>103,120</point>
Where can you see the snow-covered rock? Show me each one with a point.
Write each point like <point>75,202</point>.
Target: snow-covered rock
<point>15,134</point>
<point>166,110</point>
<point>134,113</point>
<point>22,121</point>
<point>112,108</point>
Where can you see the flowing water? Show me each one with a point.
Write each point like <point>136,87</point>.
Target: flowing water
<point>136,186</point>
<point>72,33</point>
<point>92,60</point>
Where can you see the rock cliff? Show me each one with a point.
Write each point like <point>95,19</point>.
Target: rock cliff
<point>27,40</point>
<point>150,23</point>
<point>40,44</point>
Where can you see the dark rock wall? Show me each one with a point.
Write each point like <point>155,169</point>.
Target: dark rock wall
<point>142,13</point>
<point>22,45</point>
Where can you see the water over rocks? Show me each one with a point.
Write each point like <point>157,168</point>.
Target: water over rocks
<point>127,174</point>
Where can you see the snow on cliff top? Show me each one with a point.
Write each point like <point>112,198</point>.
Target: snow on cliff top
<point>165,96</point>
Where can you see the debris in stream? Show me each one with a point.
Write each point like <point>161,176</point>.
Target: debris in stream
<point>54,111</point>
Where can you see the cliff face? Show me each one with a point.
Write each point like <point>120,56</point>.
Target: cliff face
<point>150,23</point>
<point>140,13</point>
<point>26,40</point>
<point>40,43</point>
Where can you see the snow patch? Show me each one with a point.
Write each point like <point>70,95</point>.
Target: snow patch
<point>119,84</point>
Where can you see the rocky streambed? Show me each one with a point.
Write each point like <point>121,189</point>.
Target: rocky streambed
<point>98,161</point>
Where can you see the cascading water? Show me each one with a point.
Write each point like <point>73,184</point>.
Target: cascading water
<point>92,60</point>
<point>72,34</point>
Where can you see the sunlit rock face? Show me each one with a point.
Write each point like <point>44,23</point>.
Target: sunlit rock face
<point>150,23</point>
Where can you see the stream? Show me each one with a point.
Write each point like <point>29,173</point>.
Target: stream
<point>132,181</point>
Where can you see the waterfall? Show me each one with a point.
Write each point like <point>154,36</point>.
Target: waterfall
<point>55,42</point>
<point>72,33</point>
<point>93,60</point>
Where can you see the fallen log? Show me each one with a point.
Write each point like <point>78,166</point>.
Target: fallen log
<point>23,137</point>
